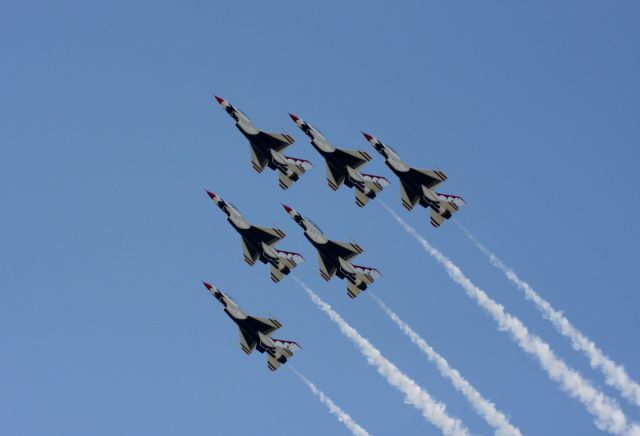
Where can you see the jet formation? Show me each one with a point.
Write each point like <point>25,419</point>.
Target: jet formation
<point>343,167</point>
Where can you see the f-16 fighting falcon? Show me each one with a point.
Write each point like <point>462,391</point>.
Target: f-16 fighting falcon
<point>258,242</point>
<point>267,148</point>
<point>256,332</point>
<point>335,257</point>
<point>417,185</point>
<point>343,165</point>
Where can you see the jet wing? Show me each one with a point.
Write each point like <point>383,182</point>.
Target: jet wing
<point>335,178</point>
<point>258,159</point>
<point>327,269</point>
<point>428,178</point>
<point>409,196</point>
<point>345,250</point>
<point>249,252</point>
<point>267,235</point>
<point>275,141</point>
<point>353,158</point>
<point>263,325</point>
<point>246,343</point>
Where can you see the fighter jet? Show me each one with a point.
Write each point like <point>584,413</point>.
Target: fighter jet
<point>256,332</point>
<point>417,185</point>
<point>258,242</point>
<point>335,256</point>
<point>267,148</point>
<point>343,165</point>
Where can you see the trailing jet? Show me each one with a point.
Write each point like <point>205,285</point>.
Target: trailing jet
<point>258,242</point>
<point>417,185</point>
<point>256,332</point>
<point>343,165</point>
<point>335,257</point>
<point>267,148</point>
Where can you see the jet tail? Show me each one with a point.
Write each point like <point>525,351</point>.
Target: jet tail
<point>295,167</point>
<point>445,208</point>
<point>286,262</point>
<point>283,351</point>
<point>372,186</point>
<point>364,277</point>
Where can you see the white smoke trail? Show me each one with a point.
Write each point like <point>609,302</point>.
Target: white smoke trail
<point>433,411</point>
<point>342,416</point>
<point>615,374</point>
<point>481,405</point>
<point>608,415</point>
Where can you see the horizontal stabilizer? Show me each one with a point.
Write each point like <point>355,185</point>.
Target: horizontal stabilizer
<point>287,261</point>
<point>364,277</point>
<point>276,274</point>
<point>295,168</point>
<point>354,290</point>
<point>283,352</point>
<point>368,274</point>
<point>446,207</point>
<point>361,198</point>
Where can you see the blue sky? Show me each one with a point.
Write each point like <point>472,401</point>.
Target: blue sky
<point>110,135</point>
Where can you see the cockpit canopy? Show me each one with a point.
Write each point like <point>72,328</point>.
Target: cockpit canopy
<point>314,224</point>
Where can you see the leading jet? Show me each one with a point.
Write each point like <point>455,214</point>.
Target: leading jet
<point>343,165</point>
<point>335,257</point>
<point>416,186</point>
<point>255,333</point>
<point>267,148</point>
<point>258,242</point>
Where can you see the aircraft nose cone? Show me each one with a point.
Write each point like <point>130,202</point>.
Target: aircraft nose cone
<point>211,195</point>
<point>294,118</point>
<point>366,135</point>
<point>287,208</point>
<point>220,99</point>
<point>207,285</point>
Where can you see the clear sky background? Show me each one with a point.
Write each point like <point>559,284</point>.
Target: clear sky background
<point>109,135</point>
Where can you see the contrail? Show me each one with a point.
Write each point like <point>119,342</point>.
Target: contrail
<point>433,411</point>
<point>342,416</point>
<point>481,405</point>
<point>615,374</point>
<point>608,415</point>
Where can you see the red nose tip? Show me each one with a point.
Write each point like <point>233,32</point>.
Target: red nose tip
<point>287,208</point>
<point>220,99</point>
<point>212,195</point>
<point>369,137</point>
<point>294,118</point>
<point>207,285</point>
